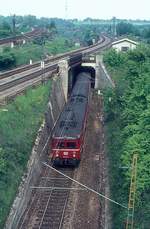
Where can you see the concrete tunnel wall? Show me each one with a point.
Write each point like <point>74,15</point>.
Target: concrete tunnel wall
<point>99,75</point>
<point>68,75</point>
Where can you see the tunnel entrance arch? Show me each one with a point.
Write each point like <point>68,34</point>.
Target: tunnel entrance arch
<point>73,72</point>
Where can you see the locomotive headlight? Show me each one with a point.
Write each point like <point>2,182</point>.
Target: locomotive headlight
<point>74,154</point>
<point>57,154</point>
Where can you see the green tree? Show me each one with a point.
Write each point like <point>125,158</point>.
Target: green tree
<point>2,162</point>
<point>128,124</point>
<point>7,60</point>
<point>125,28</point>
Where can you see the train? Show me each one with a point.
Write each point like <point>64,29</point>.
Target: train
<point>69,132</point>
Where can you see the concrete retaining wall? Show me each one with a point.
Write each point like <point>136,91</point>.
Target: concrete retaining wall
<point>102,78</point>
<point>39,151</point>
<point>63,70</point>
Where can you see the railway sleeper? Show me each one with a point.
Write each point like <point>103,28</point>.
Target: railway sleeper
<point>49,227</point>
<point>54,224</point>
<point>49,213</point>
<point>49,220</point>
<point>58,197</point>
<point>56,203</point>
<point>59,194</point>
<point>48,223</point>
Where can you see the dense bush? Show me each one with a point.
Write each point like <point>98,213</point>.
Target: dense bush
<point>7,60</point>
<point>128,125</point>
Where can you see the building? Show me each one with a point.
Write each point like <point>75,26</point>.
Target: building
<point>124,44</point>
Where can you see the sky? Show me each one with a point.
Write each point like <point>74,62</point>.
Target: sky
<point>101,9</point>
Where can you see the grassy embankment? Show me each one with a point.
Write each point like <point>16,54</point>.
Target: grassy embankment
<point>19,122</point>
<point>127,120</point>
<point>21,55</point>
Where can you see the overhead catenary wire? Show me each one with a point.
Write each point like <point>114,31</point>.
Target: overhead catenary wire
<point>57,188</point>
<point>86,187</point>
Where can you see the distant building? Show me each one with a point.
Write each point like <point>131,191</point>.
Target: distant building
<point>124,44</point>
<point>77,44</point>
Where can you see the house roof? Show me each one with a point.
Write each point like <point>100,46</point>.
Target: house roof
<point>124,39</point>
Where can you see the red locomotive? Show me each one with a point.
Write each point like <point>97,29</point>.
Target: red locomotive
<point>69,132</point>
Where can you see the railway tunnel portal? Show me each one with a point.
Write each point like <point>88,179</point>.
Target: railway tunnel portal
<point>68,73</point>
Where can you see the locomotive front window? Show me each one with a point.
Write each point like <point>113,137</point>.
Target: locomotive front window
<point>61,145</point>
<point>71,145</point>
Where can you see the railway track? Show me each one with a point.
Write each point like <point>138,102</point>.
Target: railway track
<point>48,204</point>
<point>16,77</point>
<point>23,78</point>
<point>61,208</point>
<point>86,50</point>
<point>30,35</point>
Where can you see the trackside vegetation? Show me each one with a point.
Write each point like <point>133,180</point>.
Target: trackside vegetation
<point>21,55</point>
<point>127,119</point>
<point>19,122</point>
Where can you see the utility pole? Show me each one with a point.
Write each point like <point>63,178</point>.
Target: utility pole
<point>14,24</point>
<point>66,9</point>
<point>131,203</point>
<point>114,31</point>
<point>42,59</point>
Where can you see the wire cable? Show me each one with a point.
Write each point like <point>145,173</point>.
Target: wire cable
<point>85,186</point>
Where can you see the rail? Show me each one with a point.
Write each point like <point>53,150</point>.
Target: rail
<point>31,34</point>
<point>50,65</point>
<point>48,206</point>
<point>58,57</point>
